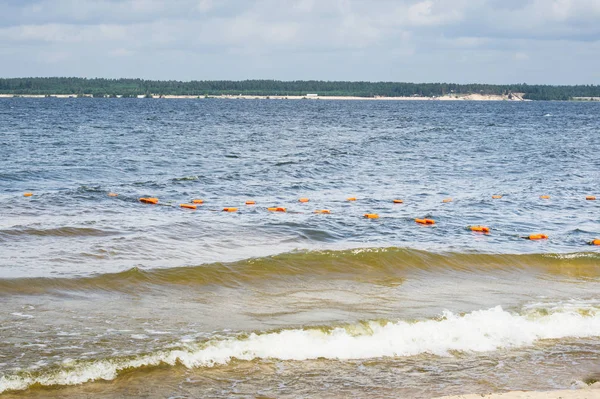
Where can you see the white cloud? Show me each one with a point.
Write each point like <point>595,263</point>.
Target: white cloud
<point>62,34</point>
<point>204,5</point>
<point>352,39</point>
<point>304,6</point>
<point>430,13</point>
<point>121,52</point>
<point>521,56</point>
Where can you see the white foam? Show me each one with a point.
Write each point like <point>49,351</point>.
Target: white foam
<point>26,316</point>
<point>479,331</point>
<point>154,332</point>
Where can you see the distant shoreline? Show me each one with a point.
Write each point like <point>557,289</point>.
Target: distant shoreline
<point>295,89</point>
<point>518,97</point>
<point>452,97</point>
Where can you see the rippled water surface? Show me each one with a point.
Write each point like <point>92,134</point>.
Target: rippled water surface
<point>106,296</point>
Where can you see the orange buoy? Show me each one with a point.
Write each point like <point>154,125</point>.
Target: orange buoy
<point>537,237</point>
<point>480,229</point>
<point>371,216</point>
<point>188,206</point>
<point>27,194</point>
<point>398,201</point>
<point>230,209</point>
<point>198,201</point>
<point>595,242</point>
<point>590,198</point>
<point>496,196</point>
<point>351,199</point>
<point>113,194</point>
<point>544,197</point>
<point>323,211</point>
<point>277,209</point>
<point>149,200</point>
<point>303,200</point>
<point>425,221</point>
<point>446,200</point>
<point>250,202</point>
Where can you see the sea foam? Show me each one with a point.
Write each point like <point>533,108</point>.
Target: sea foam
<point>478,331</point>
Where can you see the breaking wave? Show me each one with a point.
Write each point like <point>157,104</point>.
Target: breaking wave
<point>478,331</point>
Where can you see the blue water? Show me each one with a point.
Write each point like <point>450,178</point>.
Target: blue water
<point>71,152</point>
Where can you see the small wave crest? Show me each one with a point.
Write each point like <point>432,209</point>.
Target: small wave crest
<point>66,231</point>
<point>478,331</point>
<point>185,178</point>
<point>376,263</point>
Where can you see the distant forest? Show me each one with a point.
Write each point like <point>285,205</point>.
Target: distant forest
<point>138,87</point>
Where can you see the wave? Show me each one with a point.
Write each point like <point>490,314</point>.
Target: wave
<point>376,264</point>
<point>65,231</point>
<point>478,331</point>
<point>185,178</point>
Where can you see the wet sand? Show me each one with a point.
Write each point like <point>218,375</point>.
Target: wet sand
<point>591,392</point>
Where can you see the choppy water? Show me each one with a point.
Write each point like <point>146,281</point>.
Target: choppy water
<point>104,296</point>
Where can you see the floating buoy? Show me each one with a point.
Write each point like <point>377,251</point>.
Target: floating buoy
<point>371,216</point>
<point>250,202</point>
<point>590,198</point>
<point>303,200</point>
<point>277,209</point>
<point>595,242</point>
<point>398,201</point>
<point>149,200</point>
<point>198,201</point>
<point>544,197</point>
<point>351,199</point>
<point>323,211</point>
<point>537,237</point>
<point>425,221</point>
<point>230,209</point>
<point>496,196</point>
<point>113,194</point>
<point>27,194</point>
<point>480,229</point>
<point>446,200</point>
<point>188,206</point>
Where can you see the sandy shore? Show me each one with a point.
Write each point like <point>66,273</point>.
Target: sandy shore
<point>591,392</point>
<point>453,97</point>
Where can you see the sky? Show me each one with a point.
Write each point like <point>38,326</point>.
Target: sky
<point>460,41</point>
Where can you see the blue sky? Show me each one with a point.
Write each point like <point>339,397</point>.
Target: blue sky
<point>484,41</point>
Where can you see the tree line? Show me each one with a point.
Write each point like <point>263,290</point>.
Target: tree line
<point>99,87</point>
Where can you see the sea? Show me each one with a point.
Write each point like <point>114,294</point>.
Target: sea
<point>105,296</point>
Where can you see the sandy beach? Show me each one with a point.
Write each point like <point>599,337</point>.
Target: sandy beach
<point>585,392</point>
<point>453,97</point>
<point>450,97</point>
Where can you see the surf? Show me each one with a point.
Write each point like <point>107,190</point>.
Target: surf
<point>449,334</point>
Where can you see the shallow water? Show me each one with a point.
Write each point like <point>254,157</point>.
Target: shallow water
<point>105,296</point>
